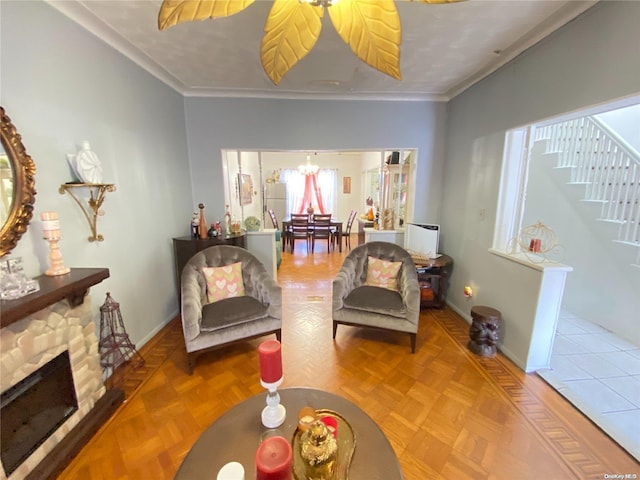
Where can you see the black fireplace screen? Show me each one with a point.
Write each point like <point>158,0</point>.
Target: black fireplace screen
<point>34,408</point>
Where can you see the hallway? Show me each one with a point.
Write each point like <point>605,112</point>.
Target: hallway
<point>600,374</point>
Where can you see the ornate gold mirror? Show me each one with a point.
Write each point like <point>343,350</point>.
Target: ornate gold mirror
<point>17,186</point>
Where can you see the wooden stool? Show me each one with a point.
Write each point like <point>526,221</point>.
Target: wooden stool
<point>484,331</point>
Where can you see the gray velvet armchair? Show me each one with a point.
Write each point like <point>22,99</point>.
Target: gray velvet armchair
<point>357,304</point>
<point>210,325</point>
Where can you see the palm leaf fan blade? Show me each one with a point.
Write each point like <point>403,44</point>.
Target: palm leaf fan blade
<point>372,29</point>
<point>291,31</point>
<point>173,12</point>
<point>438,1</point>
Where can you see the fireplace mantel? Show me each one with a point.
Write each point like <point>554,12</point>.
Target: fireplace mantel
<point>73,286</point>
<point>58,318</point>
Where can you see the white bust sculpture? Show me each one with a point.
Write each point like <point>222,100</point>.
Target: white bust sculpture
<point>88,166</point>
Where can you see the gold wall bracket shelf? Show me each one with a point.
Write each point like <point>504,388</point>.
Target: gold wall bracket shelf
<point>91,210</point>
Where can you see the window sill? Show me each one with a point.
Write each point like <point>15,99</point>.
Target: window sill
<point>541,266</point>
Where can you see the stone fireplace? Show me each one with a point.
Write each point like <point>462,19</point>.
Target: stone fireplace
<point>28,344</point>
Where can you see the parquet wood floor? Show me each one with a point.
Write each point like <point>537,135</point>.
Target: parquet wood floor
<point>447,413</point>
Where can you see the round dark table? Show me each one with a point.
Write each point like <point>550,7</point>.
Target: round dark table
<point>235,436</point>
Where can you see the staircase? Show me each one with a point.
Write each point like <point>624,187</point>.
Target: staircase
<point>606,165</point>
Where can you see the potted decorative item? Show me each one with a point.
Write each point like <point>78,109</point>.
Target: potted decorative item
<point>252,224</point>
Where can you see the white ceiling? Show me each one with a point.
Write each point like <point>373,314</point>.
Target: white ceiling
<point>445,48</point>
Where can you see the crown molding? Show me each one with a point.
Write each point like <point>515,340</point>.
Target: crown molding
<point>86,19</point>
<point>563,16</point>
<point>297,95</point>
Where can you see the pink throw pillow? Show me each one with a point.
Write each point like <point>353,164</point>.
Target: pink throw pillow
<point>224,282</point>
<point>381,273</point>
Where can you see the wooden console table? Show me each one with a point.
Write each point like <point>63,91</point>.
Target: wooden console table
<point>186,247</point>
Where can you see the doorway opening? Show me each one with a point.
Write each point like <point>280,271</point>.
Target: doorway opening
<point>360,180</point>
<point>578,175</point>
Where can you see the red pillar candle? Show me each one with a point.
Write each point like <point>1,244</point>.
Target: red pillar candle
<point>270,361</point>
<point>273,459</point>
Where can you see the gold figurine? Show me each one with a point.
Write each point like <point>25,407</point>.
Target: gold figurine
<point>319,450</point>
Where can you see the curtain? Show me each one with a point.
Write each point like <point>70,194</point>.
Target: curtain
<point>327,181</point>
<point>295,189</point>
<point>320,190</point>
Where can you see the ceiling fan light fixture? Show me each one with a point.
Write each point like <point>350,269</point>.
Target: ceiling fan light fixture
<point>371,28</point>
<point>320,3</point>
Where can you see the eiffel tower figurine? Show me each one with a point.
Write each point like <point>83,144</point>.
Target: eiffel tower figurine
<point>115,347</point>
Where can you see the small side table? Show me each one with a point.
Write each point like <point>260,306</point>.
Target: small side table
<point>485,329</point>
<point>433,278</point>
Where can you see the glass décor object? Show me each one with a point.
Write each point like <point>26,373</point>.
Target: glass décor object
<point>13,282</point>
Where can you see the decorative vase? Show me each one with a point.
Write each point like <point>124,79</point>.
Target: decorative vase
<point>227,220</point>
<point>370,214</point>
<point>252,224</point>
<point>202,229</point>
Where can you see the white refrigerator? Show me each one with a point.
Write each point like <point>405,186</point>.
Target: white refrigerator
<point>275,198</point>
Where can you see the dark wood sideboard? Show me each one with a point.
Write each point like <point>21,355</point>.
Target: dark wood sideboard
<point>186,247</point>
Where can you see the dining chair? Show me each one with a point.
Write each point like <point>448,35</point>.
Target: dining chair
<point>284,235</point>
<point>346,234</point>
<point>321,230</point>
<point>274,219</point>
<point>299,230</point>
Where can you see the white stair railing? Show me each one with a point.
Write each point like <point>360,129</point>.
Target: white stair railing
<point>607,165</point>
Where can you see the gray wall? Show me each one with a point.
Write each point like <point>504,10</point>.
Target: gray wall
<point>61,85</point>
<point>266,124</point>
<point>592,60</point>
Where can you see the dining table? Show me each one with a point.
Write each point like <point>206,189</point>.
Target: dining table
<point>335,224</point>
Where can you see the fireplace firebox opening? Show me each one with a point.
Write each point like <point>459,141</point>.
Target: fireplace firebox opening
<point>34,408</point>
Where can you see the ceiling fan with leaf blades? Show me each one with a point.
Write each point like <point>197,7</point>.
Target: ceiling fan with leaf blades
<point>370,27</point>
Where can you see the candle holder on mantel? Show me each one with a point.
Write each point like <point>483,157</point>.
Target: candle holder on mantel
<point>274,413</point>
<point>51,233</point>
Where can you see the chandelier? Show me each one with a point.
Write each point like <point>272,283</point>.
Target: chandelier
<point>370,27</point>
<point>308,169</point>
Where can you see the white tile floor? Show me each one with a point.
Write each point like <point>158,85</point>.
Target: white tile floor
<point>600,374</point>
